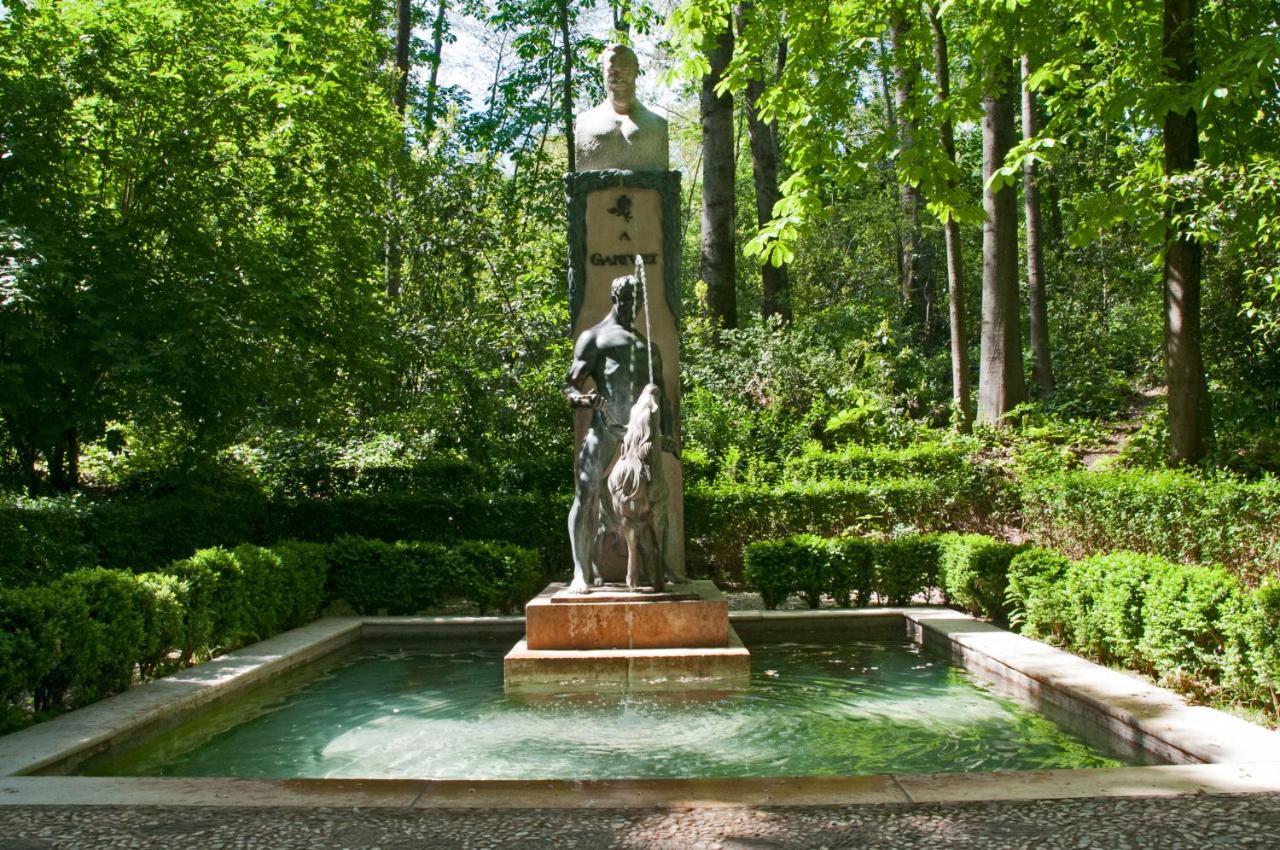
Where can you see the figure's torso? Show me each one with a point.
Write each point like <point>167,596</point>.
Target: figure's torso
<point>605,139</point>
<point>622,369</point>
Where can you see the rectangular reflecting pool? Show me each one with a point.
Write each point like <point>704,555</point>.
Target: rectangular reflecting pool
<point>432,710</point>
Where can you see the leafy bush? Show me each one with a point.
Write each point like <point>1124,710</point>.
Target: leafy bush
<point>500,576</point>
<point>222,578</point>
<point>858,462</point>
<point>769,567</point>
<point>974,571</point>
<point>721,520</point>
<point>265,589</point>
<point>44,635</point>
<point>43,539</point>
<point>1189,614</point>
<point>1181,516</point>
<point>83,636</point>
<point>1035,598</point>
<point>304,571</point>
<point>1105,594</point>
<point>161,600</point>
<point>115,629</point>
<point>46,538</point>
<point>1260,627</point>
<point>851,562</point>
<point>905,566</point>
<point>373,576</point>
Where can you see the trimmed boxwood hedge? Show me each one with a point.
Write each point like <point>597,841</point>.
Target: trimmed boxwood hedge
<point>1195,627</point>
<point>91,632</point>
<point>47,538</point>
<point>721,521</point>
<point>1179,515</point>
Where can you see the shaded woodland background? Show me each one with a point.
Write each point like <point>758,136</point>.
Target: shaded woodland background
<point>249,245</point>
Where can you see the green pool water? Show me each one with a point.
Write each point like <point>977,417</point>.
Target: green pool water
<point>423,712</point>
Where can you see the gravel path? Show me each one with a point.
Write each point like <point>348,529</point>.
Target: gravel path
<point>1193,823</point>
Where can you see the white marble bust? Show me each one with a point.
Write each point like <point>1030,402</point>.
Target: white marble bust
<point>620,132</point>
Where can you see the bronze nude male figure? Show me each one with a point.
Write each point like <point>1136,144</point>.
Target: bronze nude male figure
<point>614,357</point>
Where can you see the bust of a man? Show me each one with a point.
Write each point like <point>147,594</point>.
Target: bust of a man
<point>620,132</point>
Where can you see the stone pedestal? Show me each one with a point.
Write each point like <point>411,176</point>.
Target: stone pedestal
<point>613,216</point>
<point>618,640</point>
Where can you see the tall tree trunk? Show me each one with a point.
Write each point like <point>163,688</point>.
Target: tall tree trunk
<point>393,249</point>
<point>717,187</point>
<point>912,266</point>
<point>775,293</point>
<point>566,79</point>
<point>951,229</point>
<point>1041,366</point>
<point>891,126</point>
<point>1190,424</point>
<point>437,47</point>
<point>1001,385</point>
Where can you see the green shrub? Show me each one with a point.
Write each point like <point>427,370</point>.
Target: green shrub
<point>266,590</point>
<point>1035,597</point>
<point>770,569</point>
<point>851,564</point>
<point>905,566</point>
<point>367,574</point>
<point>43,539</point>
<point>162,600</point>
<point>1260,628</point>
<point>1178,515</point>
<point>973,570</point>
<point>811,570</point>
<point>1105,595</point>
<point>218,616</point>
<point>502,576</point>
<point>304,570</point>
<point>199,579</point>
<point>149,533</point>
<point>397,578</point>
<point>535,521</point>
<point>45,641</point>
<point>115,629</point>
<point>1187,617</point>
<point>720,521</point>
<point>858,462</point>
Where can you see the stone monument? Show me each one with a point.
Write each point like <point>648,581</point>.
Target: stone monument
<point>626,525</point>
<point>624,202</point>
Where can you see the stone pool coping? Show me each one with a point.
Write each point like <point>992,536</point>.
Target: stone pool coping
<point>1219,753</point>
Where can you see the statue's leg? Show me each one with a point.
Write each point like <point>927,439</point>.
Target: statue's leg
<point>585,511</point>
<point>651,554</point>
<point>633,559</point>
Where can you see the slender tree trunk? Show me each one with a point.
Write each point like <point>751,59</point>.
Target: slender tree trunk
<point>1001,384</point>
<point>891,126</point>
<point>717,187</point>
<point>1190,424</point>
<point>912,264</point>
<point>774,282</point>
<point>393,249</point>
<point>566,91</point>
<point>1041,366</point>
<point>437,47</point>
<point>951,229</point>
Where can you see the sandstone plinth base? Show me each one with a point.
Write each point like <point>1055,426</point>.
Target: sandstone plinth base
<point>693,614</point>
<point>613,640</point>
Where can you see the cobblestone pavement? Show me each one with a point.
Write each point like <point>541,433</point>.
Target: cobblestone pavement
<point>1194,823</point>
